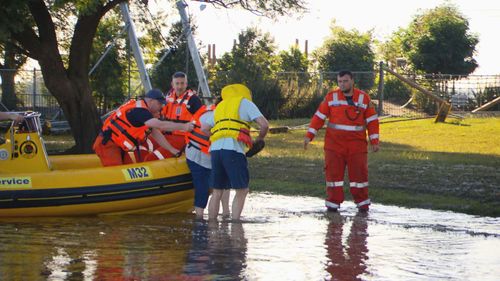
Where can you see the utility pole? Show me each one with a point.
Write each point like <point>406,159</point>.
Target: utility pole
<point>205,91</point>
<point>136,49</point>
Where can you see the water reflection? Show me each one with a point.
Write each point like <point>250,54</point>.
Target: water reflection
<point>218,251</point>
<point>282,238</point>
<point>346,261</point>
<point>122,248</point>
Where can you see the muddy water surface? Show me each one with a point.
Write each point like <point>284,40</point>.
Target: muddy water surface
<point>281,238</point>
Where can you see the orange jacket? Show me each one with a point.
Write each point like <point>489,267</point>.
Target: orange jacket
<point>197,138</point>
<point>123,133</point>
<point>345,122</point>
<point>176,109</point>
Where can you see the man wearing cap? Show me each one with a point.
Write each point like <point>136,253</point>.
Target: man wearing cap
<point>129,125</point>
<point>182,104</point>
<point>230,134</point>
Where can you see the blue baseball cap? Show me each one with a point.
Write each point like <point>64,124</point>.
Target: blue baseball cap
<point>156,95</point>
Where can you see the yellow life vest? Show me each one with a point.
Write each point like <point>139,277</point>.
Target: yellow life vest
<point>228,123</point>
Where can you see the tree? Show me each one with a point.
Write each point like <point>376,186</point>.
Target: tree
<point>350,50</point>
<point>33,24</point>
<point>296,84</point>
<point>107,79</point>
<point>178,59</point>
<point>268,8</point>
<point>12,61</point>
<point>35,27</point>
<point>252,62</point>
<point>292,60</point>
<point>392,49</point>
<point>439,41</point>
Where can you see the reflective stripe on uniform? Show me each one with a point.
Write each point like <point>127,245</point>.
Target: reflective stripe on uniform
<point>374,136</point>
<point>312,131</point>
<point>371,118</point>
<point>334,183</point>
<point>320,115</point>
<point>331,205</point>
<point>158,154</point>
<point>128,145</point>
<point>360,99</point>
<point>362,203</point>
<point>359,184</point>
<point>149,146</point>
<point>336,103</point>
<point>360,102</point>
<point>346,127</point>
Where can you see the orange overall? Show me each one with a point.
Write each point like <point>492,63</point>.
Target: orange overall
<point>346,144</point>
<point>176,110</point>
<point>118,136</point>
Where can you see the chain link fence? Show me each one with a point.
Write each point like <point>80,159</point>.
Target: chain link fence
<point>27,92</point>
<point>295,94</point>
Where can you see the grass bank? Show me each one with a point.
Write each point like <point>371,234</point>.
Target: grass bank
<point>448,166</point>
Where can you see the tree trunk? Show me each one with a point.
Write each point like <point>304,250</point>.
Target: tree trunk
<point>75,98</point>
<point>8,73</point>
<point>8,90</point>
<point>70,86</point>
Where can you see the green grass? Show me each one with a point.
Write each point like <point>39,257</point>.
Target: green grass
<point>56,144</point>
<point>450,166</point>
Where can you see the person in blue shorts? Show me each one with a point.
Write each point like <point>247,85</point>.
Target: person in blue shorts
<point>199,163</point>
<point>230,134</point>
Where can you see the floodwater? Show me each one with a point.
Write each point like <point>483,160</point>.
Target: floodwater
<point>281,238</point>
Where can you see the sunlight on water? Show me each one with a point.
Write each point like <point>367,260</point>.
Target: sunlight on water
<point>280,238</point>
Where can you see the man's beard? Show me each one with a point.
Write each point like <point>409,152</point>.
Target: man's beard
<point>346,91</point>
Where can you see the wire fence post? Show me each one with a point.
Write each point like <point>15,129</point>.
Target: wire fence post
<point>320,84</point>
<point>381,88</point>
<point>33,106</point>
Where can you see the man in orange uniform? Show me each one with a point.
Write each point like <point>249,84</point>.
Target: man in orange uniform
<point>350,113</point>
<point>130,125</point>
<point>182,103</point>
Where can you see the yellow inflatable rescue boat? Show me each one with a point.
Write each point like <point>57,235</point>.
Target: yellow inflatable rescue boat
<point>34,184</point>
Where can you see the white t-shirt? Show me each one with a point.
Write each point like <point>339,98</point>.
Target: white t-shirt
<point>196,155</point>
<point>248,112</point>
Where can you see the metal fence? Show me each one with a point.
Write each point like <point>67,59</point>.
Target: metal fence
<point>299,93</point>
<point>30,93</point>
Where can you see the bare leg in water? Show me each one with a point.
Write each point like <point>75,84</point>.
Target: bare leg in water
<point>226,213</point>
<point>214,203</point>
<point>239,202</point>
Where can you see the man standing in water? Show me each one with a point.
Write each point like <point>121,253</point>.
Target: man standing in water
<point>230,133</point>
<point>350,113</point>
<point>199,162</point>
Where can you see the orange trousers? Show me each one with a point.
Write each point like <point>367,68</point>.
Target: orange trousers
<point>357,168</point>
<point>177,141</point>
<point>110,153</point>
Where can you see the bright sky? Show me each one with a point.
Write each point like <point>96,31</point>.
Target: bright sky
<point>221,26</point>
